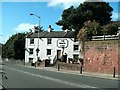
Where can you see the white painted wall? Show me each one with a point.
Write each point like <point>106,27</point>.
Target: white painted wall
<point>43,49</point>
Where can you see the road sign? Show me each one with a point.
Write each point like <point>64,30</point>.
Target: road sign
<point>37,50</point>
<point>62,43</point>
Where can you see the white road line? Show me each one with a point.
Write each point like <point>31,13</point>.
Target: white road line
<point>56,80</point>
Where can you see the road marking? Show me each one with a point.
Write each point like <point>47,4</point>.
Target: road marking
<point>56,80</point>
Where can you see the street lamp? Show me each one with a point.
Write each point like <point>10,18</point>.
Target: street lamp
<point>37,50</point>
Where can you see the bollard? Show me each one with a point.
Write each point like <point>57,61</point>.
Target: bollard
<point>80,69</point>
<point>58,67</point>
<point>114,72</point>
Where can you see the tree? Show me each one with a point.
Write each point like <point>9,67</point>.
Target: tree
<point>65,22</point>
<point>14,47</point>
<point>111,28</point>
<point>7,51</point>
<point>74,18</point>
<point>19,47</point>
<point>89,29</point>
<point>1,48</point>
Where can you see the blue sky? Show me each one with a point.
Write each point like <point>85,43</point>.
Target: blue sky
<point>16,16</point>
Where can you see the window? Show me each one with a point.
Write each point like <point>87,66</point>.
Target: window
<point>48,51</point>
<point>30,60</point>
<point>31,51</point>
<point>75,39</point>
<point>75,56</point>
<point>31,40</point>
<point>49,41</point>
<point>76,48</point>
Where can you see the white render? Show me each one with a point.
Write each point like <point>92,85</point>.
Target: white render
<point>43,46</point>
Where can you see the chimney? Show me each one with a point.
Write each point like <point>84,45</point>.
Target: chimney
<point>36,28</point>
<point>49,28</point>
<point>32,29</point>
<point>66,30</point>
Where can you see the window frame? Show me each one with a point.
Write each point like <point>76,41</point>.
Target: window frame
<point>31,51</point>
<point>75,48</point>
<point>30,60</point>
<point>49,51</point>
<point>75,56</point>
<point>32,41</point>
<point>49,41</point>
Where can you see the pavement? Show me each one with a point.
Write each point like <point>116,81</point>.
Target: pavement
<point>91,74</point>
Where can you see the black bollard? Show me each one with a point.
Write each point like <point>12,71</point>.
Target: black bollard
<point>114,72</point>
<point>80,69</point>
<point>58,67</point>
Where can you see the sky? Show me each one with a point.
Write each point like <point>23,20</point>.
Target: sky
<point>15,14</point>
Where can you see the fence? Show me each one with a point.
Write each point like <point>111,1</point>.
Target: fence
<point>106,37</point>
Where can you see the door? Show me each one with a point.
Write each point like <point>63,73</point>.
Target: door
<point>58,54</point>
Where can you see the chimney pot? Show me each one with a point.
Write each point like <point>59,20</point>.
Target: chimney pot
<point>49,28</point>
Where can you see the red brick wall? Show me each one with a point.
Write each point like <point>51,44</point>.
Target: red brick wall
<point>101,56</point>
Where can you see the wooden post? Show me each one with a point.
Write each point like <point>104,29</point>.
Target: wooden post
<point>114,72</point>
<point>58,67</point>
<point>80,69</point>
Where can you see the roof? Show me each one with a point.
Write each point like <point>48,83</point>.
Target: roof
<point>52,34</point>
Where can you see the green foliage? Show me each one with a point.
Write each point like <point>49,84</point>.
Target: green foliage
<point>111,28</point>
<point>74,18</point>
<point>98,11</point>
<point>67,16</point>
<point>19,47</point>
<point>89,29</point>
<point>14,47</point>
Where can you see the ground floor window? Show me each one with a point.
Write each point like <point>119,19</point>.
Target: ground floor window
<point>31,51</point>
<point>75,56</point>
<point>48,51</point>
<point>76,47</point>
<point>30,60</point>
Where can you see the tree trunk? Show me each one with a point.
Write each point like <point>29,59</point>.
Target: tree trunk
<point>82,48</point>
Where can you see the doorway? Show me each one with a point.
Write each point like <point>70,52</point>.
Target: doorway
<point>58,54</point>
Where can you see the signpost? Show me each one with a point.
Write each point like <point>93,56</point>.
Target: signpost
<point>62,43</point>
<point>37,50</point>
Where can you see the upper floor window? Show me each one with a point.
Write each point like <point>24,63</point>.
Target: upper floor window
<point>48,51</point>
<point>75,39</point>
<point>31,40</point>
<point>31,51</point>
<point>49,41</point>
<point>76,47</point>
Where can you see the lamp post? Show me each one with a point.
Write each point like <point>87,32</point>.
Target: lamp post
<point>37,50</point>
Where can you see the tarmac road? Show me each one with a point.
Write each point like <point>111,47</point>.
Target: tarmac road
<point>25,77</point>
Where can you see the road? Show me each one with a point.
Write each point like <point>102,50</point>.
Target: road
<point>25,77</point>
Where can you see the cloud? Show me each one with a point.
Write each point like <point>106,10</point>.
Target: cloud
<point>24,0</point>
<point>111,0</point>
<point>55,0</point>
<point>64,3</point>
<point>115,16</point>
<point>6,38</point>
<point>24,27</point>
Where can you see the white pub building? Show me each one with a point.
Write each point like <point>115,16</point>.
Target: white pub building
<point>50,45</point>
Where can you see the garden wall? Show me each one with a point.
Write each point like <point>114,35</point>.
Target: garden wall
<point>102,56</point>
